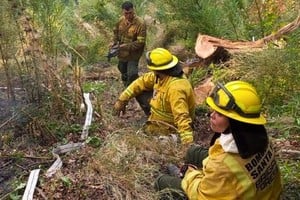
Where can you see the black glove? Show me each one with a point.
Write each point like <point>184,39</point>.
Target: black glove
<point>184,168</point>
<point>112,52</point>
<point>173,170</point>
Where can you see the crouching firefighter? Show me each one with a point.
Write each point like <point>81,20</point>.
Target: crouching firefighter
<point>173,101</point>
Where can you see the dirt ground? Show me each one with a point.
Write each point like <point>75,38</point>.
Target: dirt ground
<point>19,154</point>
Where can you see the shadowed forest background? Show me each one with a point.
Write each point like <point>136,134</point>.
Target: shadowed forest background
<point>53,51</point>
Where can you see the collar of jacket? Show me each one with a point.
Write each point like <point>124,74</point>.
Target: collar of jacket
<point>134,20</point>
<point>163,80</point>
<point>228,144</point>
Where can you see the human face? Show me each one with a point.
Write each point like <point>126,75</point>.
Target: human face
<point>218,122</point>
<point>128,14</point>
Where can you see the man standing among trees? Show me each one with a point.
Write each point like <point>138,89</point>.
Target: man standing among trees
<point>130,36</point>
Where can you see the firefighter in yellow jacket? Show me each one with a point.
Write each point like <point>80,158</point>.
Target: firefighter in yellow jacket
<point>173,100</point>
<point>241,162</point>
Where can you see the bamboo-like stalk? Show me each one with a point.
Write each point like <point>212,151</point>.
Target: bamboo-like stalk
<point>10,91</point>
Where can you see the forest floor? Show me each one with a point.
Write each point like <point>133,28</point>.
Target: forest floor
<point>20,154</point>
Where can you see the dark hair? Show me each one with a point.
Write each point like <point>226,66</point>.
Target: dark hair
<point>127,5</point>
<point>175,71</point>
<point>250,139</point>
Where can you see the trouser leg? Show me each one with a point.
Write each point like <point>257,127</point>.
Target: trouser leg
<point>129,72</point>
<point>170,187</point>
<point>132,71</point>
<point>195,155</point>
<point>144,98</point>
<point>122,66</point>
<point>144,101</point>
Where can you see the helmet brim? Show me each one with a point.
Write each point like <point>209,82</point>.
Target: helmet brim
<point>164,67</point>
<point>234,115</point>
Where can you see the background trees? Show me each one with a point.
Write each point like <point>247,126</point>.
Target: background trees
<point>51,50</point>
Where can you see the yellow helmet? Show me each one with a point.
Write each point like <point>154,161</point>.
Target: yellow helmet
<point>160,59</point>
<point>237,100</point>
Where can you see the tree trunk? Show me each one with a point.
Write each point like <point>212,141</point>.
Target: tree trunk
<point>206,45</point>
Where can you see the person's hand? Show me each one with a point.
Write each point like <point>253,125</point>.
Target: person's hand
<point>184,168</point>
<point>119,107</point>
<point>111,45</point>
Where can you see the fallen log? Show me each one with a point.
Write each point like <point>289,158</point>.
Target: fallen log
<point>206,45</point>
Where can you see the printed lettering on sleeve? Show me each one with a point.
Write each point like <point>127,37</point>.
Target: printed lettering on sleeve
<point>263,168</point>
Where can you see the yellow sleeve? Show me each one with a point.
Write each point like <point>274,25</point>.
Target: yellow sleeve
<point>191,181</point>
<point>143,83</point>
<point>179,94</point>
<point>214,182</point>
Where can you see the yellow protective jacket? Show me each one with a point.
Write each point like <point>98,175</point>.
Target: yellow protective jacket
<point>173,101</point>
<point>133,35</point>
<point>227,176</point>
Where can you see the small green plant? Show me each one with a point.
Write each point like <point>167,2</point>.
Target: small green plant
<point>66,181</point>
<point>198,75</point>
<point>290,177</point>
<point>220,73</point>
<point>94,141</point>
<point>62,129</point>
<point>15,194</point>
<point>95,87</point>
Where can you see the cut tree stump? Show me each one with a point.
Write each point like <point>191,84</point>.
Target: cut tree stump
<point>206,46</point>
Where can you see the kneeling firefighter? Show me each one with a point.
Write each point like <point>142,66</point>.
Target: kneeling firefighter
<point>173,101</point>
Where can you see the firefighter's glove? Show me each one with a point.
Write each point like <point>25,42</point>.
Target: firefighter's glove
<point>119,107</point>
<point>173,170</point>
<point>184,168</point>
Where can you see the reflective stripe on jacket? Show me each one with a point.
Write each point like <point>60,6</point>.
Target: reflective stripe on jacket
<point>133,34</point>
<point>173,101</point>
<point>227,176</point>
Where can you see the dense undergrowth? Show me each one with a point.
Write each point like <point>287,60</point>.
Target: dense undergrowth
<point>55,50</point>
